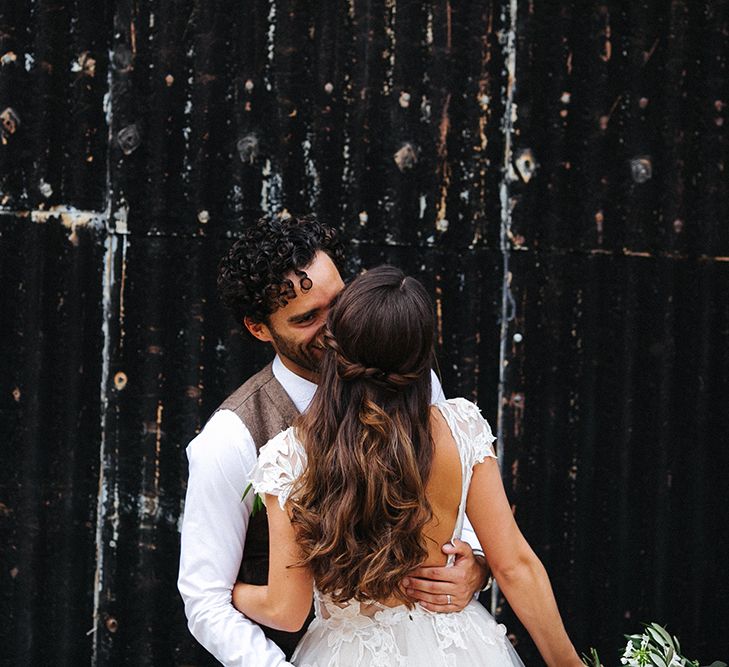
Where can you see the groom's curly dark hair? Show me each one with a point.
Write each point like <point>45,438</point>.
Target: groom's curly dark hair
<point>252,276</point>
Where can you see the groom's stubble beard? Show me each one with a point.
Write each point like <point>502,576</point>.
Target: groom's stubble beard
<point>307,355</point>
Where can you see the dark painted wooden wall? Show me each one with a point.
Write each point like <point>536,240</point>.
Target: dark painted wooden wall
<point>555,173</point>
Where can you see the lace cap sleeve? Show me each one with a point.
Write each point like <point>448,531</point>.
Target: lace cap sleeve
<point>475,432</point>
<point>280,461</point>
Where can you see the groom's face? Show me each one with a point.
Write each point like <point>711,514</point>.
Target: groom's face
<point>293,330</point>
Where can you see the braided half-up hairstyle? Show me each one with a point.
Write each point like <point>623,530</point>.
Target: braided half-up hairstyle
<point>359,508</point>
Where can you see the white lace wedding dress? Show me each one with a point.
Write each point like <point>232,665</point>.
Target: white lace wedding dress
<point>371,634</point>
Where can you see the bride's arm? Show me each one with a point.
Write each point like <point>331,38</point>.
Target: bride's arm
<point>285,602</point>
<point>516,568</point>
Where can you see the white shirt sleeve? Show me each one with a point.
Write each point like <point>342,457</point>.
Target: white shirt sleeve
<point>436,390</point>
<point>468,534</point>
<point>213,534</point>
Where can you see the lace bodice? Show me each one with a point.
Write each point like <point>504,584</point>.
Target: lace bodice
<point>282,459</point>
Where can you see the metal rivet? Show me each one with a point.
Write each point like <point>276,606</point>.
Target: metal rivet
<point>10,121</point>
<point>112,625</point>
<point>249,85</point>
<point>641,169</point>
<point>247,148</point>
<point>129,139</point>
<point>404,99</point>
<point>120,380</point>
<point>328,88</point>
<point>363,217</point>
<point>518,338</point>
<point>87,64</point>
<point>406,156</point>
<point>526,164</point>
<point>203,217</point>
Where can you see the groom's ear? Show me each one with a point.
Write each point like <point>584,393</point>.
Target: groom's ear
<point>258,329</point>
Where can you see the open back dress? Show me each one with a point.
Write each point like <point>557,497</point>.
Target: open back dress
<point>371,634</point>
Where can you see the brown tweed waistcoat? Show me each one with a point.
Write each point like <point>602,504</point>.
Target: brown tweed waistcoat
<point>265,408</point>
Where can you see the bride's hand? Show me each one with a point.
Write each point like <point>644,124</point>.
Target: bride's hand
<point>446,589</point>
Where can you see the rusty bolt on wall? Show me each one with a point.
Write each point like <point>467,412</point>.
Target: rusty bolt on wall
<point>526,164</point>
<point>247,148</point>
<point>120,380</point>
<point>129,139</point>
<point>85,63</point>
<point>406,156</point>
<point>10,123</point>
<point>641,168</point>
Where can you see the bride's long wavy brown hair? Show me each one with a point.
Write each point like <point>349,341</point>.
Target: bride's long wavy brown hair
<point>359,508</point>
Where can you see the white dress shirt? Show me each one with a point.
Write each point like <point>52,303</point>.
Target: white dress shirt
<point>214,527</point>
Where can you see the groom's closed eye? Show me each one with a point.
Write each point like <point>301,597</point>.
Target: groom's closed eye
<point>304,317</point>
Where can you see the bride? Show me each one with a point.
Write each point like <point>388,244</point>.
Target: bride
<point>368,484</point>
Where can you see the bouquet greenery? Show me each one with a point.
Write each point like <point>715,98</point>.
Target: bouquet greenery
<point>258,503</point>
<point>654,648</point>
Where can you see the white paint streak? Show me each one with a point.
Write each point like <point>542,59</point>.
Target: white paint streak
<point>69,216</point>
<point>270,44</point>
<point>508,41</point>
<point>271,189</point>
<point>390,19</point>
<point>429,27</point>
<point>312,175</point>
<point>105,479</point>
<point>121,216</point>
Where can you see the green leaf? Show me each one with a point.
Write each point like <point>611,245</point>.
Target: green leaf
<point>258,505</point>
<point>659,633</point>
<point>717,663</point>
<point>591,660</point>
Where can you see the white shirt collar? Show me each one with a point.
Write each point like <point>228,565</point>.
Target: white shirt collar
<point>300,391</point>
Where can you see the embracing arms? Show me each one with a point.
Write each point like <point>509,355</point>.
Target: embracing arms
<point>431,586</point>
<point>285,602</point>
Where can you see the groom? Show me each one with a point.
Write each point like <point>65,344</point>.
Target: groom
<point>279,280</point>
